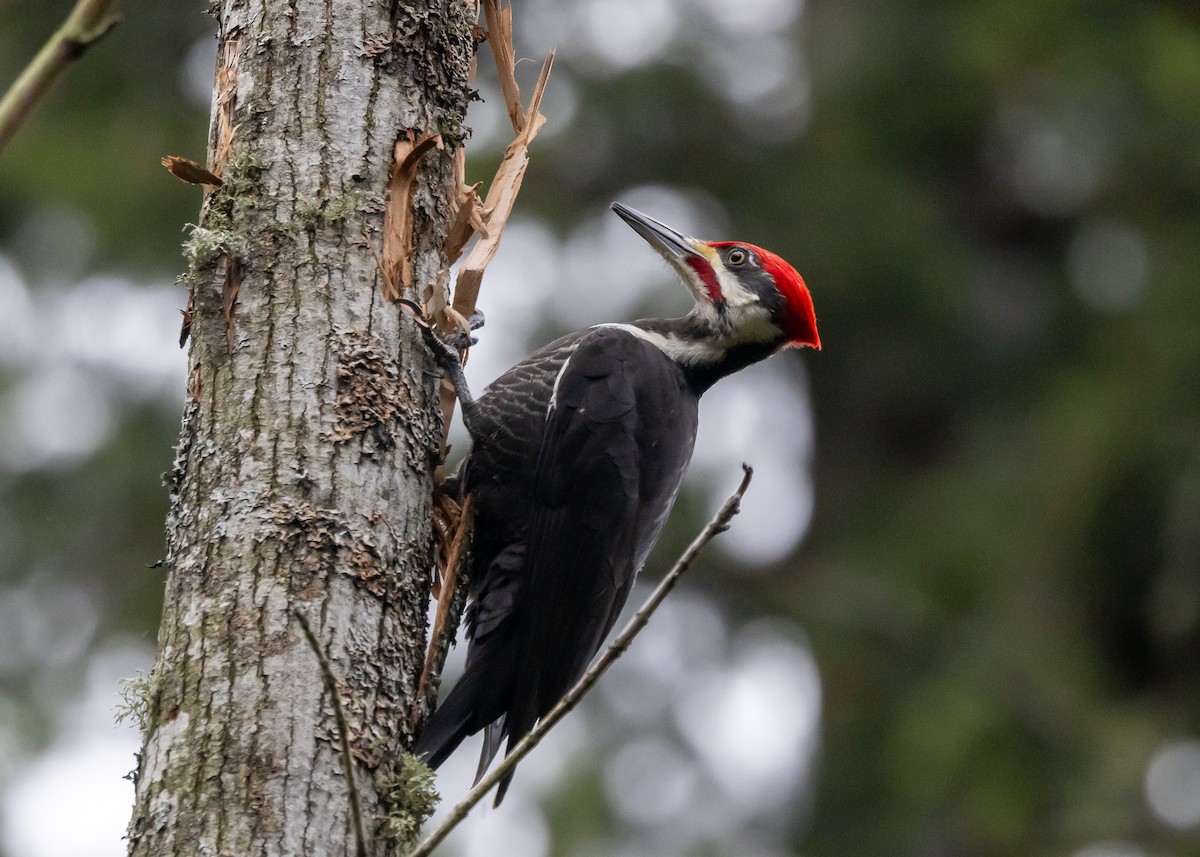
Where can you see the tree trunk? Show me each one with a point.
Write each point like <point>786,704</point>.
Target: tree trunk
<point>310,434</point>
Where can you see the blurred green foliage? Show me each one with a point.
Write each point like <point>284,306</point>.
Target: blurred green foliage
<point>997,207</point>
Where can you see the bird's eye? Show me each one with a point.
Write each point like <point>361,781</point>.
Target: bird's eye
<point>737,256</point>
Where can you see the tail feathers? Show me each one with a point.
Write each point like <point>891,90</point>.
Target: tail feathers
<point>492,736</point>
<point>502,788</point>
<point>453,721</point>
<point>514,739</point>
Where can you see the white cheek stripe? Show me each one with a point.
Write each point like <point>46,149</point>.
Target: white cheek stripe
<point>732,291</point>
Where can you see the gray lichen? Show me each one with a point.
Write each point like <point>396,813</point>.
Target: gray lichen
<point>407,793</point>
<point>223,229</point>
<point>137,700</point>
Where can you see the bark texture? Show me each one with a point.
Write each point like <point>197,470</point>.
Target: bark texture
<point>310,434</point>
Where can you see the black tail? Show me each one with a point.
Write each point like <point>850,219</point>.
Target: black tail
<point>476,702</point>
<point>455,719</point>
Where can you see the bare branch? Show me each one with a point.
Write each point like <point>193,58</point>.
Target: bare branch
<point>719,523</point>
<point>360,841</point>
<point>88,22</point>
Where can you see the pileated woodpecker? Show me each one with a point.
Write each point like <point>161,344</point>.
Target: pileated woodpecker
<point>577,454</point>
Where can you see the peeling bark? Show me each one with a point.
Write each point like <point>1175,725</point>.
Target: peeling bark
<point>309,439</point>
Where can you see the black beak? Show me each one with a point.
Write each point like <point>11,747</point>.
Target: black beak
<point>675,246</point>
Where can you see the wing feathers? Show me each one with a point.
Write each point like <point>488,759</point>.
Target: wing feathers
<point>575,494</point>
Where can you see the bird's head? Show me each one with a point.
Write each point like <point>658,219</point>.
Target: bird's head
<point>746,292</point>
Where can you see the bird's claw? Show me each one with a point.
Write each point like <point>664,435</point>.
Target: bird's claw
<point>462,339</point>
<point>445,351</point>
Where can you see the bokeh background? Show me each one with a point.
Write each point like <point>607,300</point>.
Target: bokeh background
<point>960,614</point>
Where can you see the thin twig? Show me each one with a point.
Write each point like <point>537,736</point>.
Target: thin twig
<point>360,841</point>
<point>88,22</point>
<point>718,524</point>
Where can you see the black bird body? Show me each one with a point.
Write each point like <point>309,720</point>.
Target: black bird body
<point>577,455</point>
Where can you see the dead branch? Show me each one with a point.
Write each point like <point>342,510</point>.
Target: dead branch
<point>719,523</point>
<point>88,22</point>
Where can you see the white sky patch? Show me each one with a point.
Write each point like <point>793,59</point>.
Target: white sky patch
<point>1173,784</point>
<point>687,635</point>
<point>623,34</point>
<point>747,18</point>
<point>75,352</point>
<point>650,782</point>
<point>44,622</point>
<point>751,71</point>
<point>518,828</point>
<point>197,70</point>
<point>17,333</point>
<point>86,764</point>
<point>760,416</point>
<point>126,331</point>
<point>764,80</point>
<point>54,416</point>
<point>1111,849</point>
<point>755,722</point>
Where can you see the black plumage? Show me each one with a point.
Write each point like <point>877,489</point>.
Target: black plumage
<point>610,450</point>
<point>577,455</point>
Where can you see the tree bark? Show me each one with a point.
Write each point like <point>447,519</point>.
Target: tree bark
<point>310,434</point>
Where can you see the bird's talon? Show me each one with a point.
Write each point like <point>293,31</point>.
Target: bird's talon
<point>461,340</point>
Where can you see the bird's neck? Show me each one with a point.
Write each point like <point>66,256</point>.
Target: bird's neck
<point>703,351</point>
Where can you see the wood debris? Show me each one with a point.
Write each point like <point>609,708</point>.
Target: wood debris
<point>226,84</point>
<point>187,170</point>
<point>397,219</point>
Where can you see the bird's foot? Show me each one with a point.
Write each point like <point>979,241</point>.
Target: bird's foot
<point>445,351</point>
<point>462,339</point>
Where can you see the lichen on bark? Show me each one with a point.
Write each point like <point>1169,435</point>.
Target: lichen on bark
<point>310,431</point>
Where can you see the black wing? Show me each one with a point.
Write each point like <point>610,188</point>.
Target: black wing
<point>617,439</point>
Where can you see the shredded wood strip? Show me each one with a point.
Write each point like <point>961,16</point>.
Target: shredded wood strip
<point>499,36</point>
<point>187,170</point>
<point>226,104</point>
<point>397,220</point>
<point>452,567</point>
<point>468,219</point>
<point>501,197</point>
